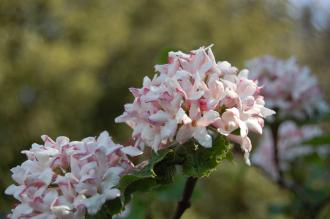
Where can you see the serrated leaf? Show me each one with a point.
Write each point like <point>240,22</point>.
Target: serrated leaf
<point>165,169</point>
<point>146,172</point>
<point>200,161</point>
<point>156,172</point>
<point>195,160</point>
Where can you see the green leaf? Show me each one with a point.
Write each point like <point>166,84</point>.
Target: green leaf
<point>200,161</point>
<point>317,119</point>
<point>319,140</point>
<point>165,169</point>
<point>159,170</point>
<point>195,161</point>
<point>146,172</point>
<point>312,158</point>
<point>111,207</point>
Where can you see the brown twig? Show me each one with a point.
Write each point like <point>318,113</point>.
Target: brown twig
<point>280,180</point>
<point>274,128</point>
<point>291,186</point>
<point>184,203</point>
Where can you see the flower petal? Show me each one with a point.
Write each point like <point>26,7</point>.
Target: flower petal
<point>201,135</point>
<point>131,151</point>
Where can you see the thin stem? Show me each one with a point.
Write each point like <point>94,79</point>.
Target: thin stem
<point>274,129</point>
<point>280,180</point>
<point>184,204</point>
<point>313,211</point>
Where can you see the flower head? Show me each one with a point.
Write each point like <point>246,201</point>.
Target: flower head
<point>191,94</point>
<point>291,89</point>
<point>64,179</point>
<point>290,146</point>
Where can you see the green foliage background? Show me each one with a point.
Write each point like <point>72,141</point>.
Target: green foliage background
<point>66,67</point>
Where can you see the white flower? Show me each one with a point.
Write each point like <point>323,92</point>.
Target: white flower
<point>292,89</point>
<point>64,179</point>
<point>290,146</point>
<point>190,94</point>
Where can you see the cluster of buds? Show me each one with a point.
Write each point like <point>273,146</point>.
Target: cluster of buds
<point>191,94</point>
<point>289,88</point>
<point>290,146</point>
<point>64,179</point>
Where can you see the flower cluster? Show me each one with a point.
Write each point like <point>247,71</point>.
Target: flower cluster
<point>287,87</point>
<point>191,94</point>
<point>290,146</point>
<point>190,97</point>
<point>63,179</point>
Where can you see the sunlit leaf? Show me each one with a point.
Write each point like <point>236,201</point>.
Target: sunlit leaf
<point>200,161</point>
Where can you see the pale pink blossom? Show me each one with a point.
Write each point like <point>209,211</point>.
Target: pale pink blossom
<point>291,89</point>
<point>66,179</point>
<point>290,146</point>
<point>191,94</point>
